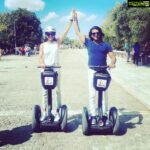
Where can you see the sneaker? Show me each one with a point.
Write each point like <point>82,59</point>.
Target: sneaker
<point>57,117</point>
<point>107,122</point>
<point>93,120</point>
<point>44,116</point>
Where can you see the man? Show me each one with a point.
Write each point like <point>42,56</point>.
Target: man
<point>97,56</point>
<point>127,49</point>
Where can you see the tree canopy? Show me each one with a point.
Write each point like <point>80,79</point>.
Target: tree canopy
<point>18,28</point>
<point>127,23</point>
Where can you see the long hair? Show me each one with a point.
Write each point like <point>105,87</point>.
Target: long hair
<point>97,28</point>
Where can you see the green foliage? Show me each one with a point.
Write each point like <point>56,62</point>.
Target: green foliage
<point>20,25</point>
<point>72,43</point>
<point>75,44</point>
<point>127,23</point>
<point>66,41</point>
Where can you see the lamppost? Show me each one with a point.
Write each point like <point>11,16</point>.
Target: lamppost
<point>15,32</point>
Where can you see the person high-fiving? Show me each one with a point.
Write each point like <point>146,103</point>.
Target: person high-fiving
<point>98,50</point>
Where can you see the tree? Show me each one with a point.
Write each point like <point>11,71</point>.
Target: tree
<point>3,30</point>
<point>66,41</point>
<point>27,26</point>
<point>21,25</point>
<point>127,23</point>
<point>72,43</point>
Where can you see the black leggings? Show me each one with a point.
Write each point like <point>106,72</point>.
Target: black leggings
<point>136,58</point>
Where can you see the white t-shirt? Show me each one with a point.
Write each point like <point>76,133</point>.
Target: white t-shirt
<point>51,53</point>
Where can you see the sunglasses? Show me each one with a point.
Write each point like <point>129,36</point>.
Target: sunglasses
<point>95,33</point>
<point>50,33</point>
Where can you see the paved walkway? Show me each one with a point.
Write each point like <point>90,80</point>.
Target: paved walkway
<point>135,79</point>
<point>20,90</point>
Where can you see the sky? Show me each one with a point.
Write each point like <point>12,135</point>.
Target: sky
<point>56,12</point>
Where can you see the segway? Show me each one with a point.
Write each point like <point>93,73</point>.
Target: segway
<point>49,81</point>
<point>108,122</point>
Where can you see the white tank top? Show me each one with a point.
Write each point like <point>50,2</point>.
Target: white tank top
<point>51,53</point>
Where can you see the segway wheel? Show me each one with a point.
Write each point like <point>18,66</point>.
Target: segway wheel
<point>85,122</point>
<point>36,118</point>
<point>114,118</point>
<point>64,113</point>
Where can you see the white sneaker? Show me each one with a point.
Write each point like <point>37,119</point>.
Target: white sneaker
<point>44,116</point>
<point>57,117</point>
<point>107,122</point>
<point>93,120</point>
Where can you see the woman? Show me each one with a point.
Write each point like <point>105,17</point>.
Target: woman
<point>97,54</point>
<point>49,57</point>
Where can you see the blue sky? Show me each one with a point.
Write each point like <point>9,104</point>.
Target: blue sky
<point>56,12</point>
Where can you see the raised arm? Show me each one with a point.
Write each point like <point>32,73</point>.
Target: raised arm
<point>61,38</point>
<point>76,27</point>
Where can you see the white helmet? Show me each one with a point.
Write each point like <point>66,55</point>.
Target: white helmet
<point>50,29</point>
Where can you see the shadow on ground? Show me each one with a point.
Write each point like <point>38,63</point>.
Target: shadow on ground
<point>74,122</point>
<point>15,136</point>
<point>127,120</point>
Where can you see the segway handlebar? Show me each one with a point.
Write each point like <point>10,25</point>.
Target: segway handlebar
<point>50,67</point>
<point>98,67</point>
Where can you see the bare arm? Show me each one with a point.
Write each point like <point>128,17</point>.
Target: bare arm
<point>60,39</point>
<point>76,27</point>
<point>113,59</point>
<point>41,56</point>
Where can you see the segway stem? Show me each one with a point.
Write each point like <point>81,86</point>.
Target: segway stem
<point>100,96</point>
<point>50,97</point>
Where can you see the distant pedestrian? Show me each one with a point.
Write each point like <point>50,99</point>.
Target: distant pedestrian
<point>17,51</point>
<point>136,55</point>
<point>127,49</point>
<point>0,53</point>
<point>145,53</point>
<point>28,50</point>
<point>23,50</point>
<point>36,49</point>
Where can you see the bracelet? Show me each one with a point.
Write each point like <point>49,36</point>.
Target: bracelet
<point>75,20</point>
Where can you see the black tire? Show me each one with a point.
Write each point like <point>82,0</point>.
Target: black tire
<point>114,118</point>
<point>85,122</point>
<point>64,115</point>
<point>36,118</point>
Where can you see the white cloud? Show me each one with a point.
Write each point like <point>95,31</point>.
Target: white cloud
<point>31,5</point>
<point>50,16</point>
<point>66,18</point>
<point>81,15</point>
<point>91,18</point>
